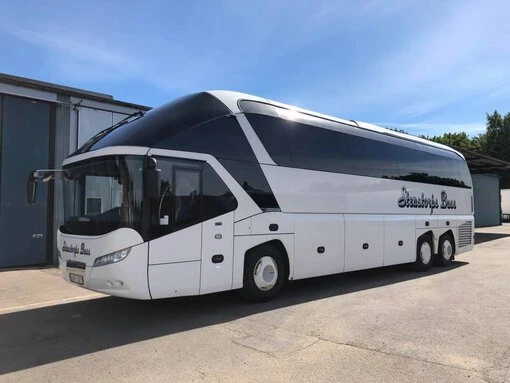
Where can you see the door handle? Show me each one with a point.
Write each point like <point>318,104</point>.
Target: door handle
<point>37,236</point>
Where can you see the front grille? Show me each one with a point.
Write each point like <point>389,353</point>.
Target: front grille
<point>75,265</point>
<point>465,234</point>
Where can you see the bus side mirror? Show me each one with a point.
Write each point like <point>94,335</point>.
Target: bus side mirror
<point>31,188</point>
<point>152,179</point>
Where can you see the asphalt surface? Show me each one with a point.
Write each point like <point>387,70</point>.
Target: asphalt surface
<point>383,325</point>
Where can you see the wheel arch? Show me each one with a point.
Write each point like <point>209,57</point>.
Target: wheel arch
<point>277,245</point>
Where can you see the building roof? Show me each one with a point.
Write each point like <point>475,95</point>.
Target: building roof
<point>66,90</point>
<point>479,163</point>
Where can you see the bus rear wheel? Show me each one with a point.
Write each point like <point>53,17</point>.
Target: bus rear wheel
<point>446,250</point>
<point>424,253</point>
<point>264,274</point>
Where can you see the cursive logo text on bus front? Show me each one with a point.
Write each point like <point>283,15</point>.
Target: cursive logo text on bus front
<point>74,249</point>
<point>406,200</point>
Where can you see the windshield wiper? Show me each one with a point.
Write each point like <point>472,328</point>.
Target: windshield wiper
<point>87,145</point>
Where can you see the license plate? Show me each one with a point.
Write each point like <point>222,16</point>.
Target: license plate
<point>76,278</point>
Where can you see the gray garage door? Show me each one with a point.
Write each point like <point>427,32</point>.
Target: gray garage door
<point>487,200</point>
<point>24,132</point>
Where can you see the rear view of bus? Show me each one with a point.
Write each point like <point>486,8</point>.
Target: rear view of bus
<point>221,190</point>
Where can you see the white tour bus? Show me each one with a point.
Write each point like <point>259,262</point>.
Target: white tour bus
<point>222,190</point>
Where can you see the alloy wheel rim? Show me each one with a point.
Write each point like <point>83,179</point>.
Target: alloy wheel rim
<point>425,253</point>
<point>265,273</point>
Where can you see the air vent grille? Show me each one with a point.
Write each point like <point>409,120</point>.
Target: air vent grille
<point>465,234</point>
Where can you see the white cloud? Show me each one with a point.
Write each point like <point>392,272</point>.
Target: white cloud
<point>80,56</point>
<point>461,56</point>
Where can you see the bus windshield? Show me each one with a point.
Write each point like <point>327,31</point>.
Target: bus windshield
<point>102,195</point>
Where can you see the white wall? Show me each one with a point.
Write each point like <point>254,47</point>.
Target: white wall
<point>505,201</point>
<point>90,117</point>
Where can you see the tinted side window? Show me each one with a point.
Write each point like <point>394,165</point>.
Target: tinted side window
<point>222,138</point>
<point>320,149</point>
<point>291,143</point>
<point>373,158</point>
<point>217,197</point>
<point>465,175</point>
<point>304,142</point>
<point>191,192</point>
<point>445,168</point>
<point>414,165</point>
<point>187,198</point>
<point>273,133</point>
<point>252,180</point>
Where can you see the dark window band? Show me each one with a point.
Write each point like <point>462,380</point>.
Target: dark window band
<point>311,143</point>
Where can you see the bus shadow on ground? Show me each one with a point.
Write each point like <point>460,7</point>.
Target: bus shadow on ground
<point>45,335</point>
<point>486,237</point>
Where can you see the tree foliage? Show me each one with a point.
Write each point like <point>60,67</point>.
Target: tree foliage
<point>495,142</point>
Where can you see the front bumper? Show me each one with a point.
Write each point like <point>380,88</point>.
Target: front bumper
<point>127,278</point>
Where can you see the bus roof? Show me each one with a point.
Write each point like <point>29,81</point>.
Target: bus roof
<point>231,100</point>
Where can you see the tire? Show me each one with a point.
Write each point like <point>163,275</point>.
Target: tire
<point>424,253</point>
<point>446,250</point>
<point>264,274</point>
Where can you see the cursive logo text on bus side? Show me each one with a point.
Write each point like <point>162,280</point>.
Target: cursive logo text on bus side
<point>408,201</point>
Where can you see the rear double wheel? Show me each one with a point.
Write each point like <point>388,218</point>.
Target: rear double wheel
<point>446,250</point>
<point>424,253</point>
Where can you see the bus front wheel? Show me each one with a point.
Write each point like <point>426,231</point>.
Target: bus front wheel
<point>264,274</point>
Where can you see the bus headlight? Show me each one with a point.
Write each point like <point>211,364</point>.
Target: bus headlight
<point>114,257</point>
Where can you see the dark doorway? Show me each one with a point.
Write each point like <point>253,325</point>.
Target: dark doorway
<point>25,146</point>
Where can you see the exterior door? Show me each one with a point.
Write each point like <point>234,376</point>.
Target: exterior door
<point>24,132</point>
<point>364,241</point>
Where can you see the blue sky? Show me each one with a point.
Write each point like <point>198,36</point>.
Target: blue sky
<point>426,66</point>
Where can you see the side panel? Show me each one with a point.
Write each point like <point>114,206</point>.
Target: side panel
<point>272,223</point>
<point>243,227</point>
<point>364,241</point>
<point>217,242</point>
<point>174,279</point>
<point>243,243</point>
<point>426,222</point>
<point>181,246</point>
<point>399,239</point>
<point>311,191</point>
<point>319,244</point>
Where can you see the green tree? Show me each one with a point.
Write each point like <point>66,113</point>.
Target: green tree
<point>498,136</point>
<point>479,143</point>
<point>497,142</point>
<point>461,140</point>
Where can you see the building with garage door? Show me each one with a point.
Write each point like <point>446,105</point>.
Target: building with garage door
<point>40,124</point>
<point>505,205</point>
<point>486,187</point>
